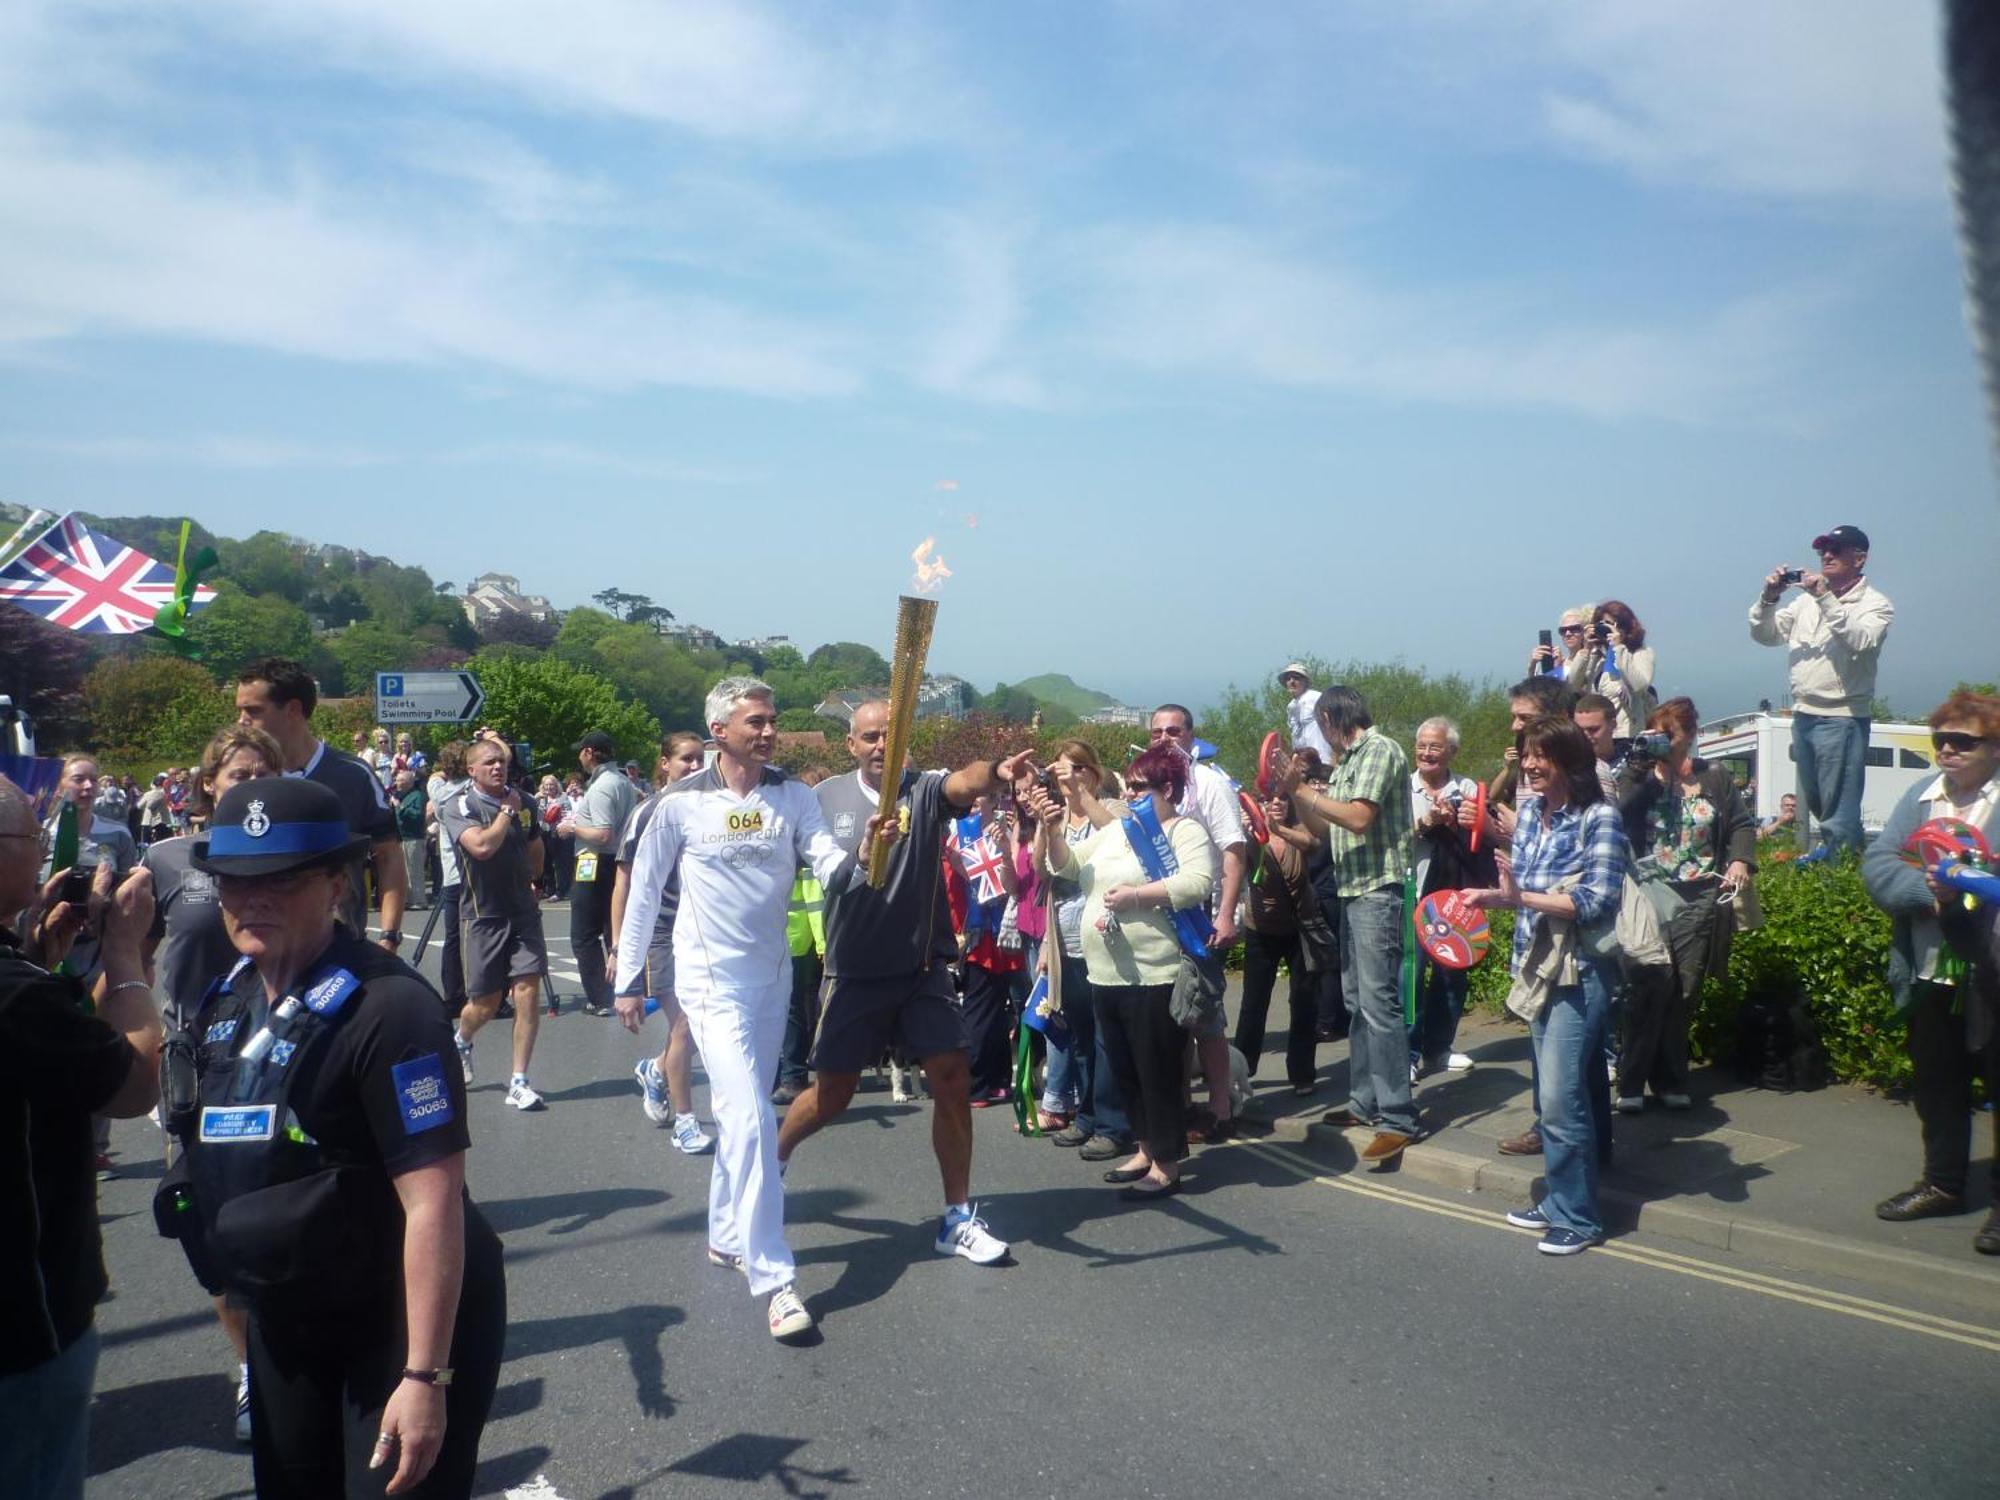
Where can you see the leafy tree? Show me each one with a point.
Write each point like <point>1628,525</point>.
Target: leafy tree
<point>577,638</point>
<point>552,704</point>
<point>267,563</point>
<point>240,627</point>
<point>846,664</point>
<point>633,609</point>
<point>667,680</point>
<point>1010,704</point>
<point>1990,689</point>
<point>42,669</point>
<point>513,629</point>
<point>1399,698</point>
<point>129,695</point>
<point>368,647</point>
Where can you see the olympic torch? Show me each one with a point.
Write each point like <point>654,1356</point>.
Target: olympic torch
<point>914,618</point>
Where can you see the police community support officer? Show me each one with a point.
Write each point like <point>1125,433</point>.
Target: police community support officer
<point>324,1175</point>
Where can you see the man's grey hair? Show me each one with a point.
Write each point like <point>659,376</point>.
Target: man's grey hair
<point>1444,727</point>
<point>726,694</point>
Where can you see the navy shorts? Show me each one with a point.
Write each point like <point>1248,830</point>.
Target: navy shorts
<point>860,1018</point>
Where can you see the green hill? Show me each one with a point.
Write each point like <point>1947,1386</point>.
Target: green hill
<point>1057,689</point>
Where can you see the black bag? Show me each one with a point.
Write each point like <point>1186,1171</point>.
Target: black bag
<point>1778,1045</point>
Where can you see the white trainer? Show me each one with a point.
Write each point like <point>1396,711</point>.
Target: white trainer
<point>521,1095</point>
<point>689,1138</point>
<point>789,1317</point>
<point>966,1235</point>
<point>652,1091</point>
<point>1458,1062</point>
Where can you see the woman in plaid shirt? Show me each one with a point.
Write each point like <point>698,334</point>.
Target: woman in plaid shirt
<point>1566,834</point>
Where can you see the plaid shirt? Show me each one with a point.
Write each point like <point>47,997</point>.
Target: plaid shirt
<point>1374,769</point>
<point>1585,842</point>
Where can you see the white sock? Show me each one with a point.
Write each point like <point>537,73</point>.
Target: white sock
<point>518,1078</point>
<point>959,1210</point>
<point>687,1119</point>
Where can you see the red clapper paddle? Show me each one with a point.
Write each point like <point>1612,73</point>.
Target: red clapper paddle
<point>1453,931</point>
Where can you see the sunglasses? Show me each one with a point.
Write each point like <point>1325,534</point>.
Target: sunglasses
<point>1138,786</point>
<point>1952,740</point>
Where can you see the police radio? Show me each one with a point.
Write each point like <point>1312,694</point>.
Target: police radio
<point>180,1083</point>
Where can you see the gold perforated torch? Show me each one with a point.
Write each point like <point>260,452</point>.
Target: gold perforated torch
<point>914,618</point>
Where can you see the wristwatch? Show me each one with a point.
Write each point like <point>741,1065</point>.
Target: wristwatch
<point>393,939</point>
<point>430,1377</point>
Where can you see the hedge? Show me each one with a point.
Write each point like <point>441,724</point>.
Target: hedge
<point>1821,937</point>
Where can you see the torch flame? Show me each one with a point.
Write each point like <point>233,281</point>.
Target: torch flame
<point>931,571</point>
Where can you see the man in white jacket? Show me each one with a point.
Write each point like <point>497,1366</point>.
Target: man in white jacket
<point>1834,631</point>
<point>737,833</point>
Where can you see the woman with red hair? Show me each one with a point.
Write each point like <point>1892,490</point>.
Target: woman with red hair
<point>1132,947</point>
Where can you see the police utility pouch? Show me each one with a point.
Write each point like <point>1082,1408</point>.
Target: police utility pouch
<point>319,1229</point>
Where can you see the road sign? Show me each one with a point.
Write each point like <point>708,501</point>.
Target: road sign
<point>427,697</point>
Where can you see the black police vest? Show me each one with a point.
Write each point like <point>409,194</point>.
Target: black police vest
<point>275,1209</point>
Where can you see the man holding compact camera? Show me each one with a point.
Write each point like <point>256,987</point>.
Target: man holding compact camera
<point>1833,631</point>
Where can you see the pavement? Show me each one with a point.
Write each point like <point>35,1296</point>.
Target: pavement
<point>1791,1178</point>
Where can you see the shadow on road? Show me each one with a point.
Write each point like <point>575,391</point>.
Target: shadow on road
<point>576,1211</point>
<point>131,1422</point>
<point>495,1476</point>
<point>751,1457</point>
<point>639,1329</point>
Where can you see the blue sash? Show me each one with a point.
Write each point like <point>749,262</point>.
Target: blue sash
<point>1156,856</point>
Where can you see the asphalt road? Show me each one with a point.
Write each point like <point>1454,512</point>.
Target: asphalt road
<point>1283,1328</point>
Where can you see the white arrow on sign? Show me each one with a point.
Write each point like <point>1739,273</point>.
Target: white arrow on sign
<point>427,697</point>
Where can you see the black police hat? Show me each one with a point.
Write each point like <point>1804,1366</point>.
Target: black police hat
<point>275,824</point>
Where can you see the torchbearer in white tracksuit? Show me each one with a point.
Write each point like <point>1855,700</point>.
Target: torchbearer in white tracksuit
<point>737,832</point>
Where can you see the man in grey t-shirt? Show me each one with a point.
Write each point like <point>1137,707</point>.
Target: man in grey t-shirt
<point>598,826</point>
<point>888,956</point>
<point>499,922</point>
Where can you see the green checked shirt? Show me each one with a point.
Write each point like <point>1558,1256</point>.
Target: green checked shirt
<point>1374,769</point>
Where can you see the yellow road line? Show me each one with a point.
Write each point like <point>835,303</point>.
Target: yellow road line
<point>1908,1319</point>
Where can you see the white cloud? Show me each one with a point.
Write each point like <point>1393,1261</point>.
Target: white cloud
<point>113,244</point>
<point>221,452</point>
<point>1793,98</point>
<point>967,339</point>
<point>727,69</point>
<point>1179,299</point>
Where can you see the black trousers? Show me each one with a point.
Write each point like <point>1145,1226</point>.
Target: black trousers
<point>801,1019</point>
<point>1654,1049</point>
<point>1944,1067</point>
<point>318,1386</point>
<point>1262,953</point>
<point>1332,1005</point>
<point>988,1004</point>
<point>451,957</point>
<point>589,925</point>
<point>1143,1043</point>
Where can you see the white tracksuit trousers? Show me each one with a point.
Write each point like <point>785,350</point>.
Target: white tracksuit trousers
<point>740,1034</point>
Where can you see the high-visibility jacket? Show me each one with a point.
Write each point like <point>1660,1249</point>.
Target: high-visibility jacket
<point>805,918</point>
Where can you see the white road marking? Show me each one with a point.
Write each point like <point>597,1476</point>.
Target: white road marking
<point>537,1488</point>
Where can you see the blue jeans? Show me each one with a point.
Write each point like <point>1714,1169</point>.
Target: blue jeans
<point>1073,1062</point>
<point>1104,1112</point>
<point>1832,753</point>
<point>1573,1096</point>
<point>45,1420</point>
<point>1378,1040</point>
<point>1440,1004</point>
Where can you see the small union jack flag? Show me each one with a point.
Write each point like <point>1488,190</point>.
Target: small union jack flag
<point>982,864</point>
<point>85,581</point>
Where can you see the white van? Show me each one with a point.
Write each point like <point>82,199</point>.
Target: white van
<point>1758,747</point>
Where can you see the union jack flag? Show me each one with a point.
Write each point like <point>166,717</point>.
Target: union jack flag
<point>85,581</point>
<point>982,864</point>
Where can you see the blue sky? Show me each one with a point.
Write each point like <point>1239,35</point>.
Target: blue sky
<point>1361,329</point>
